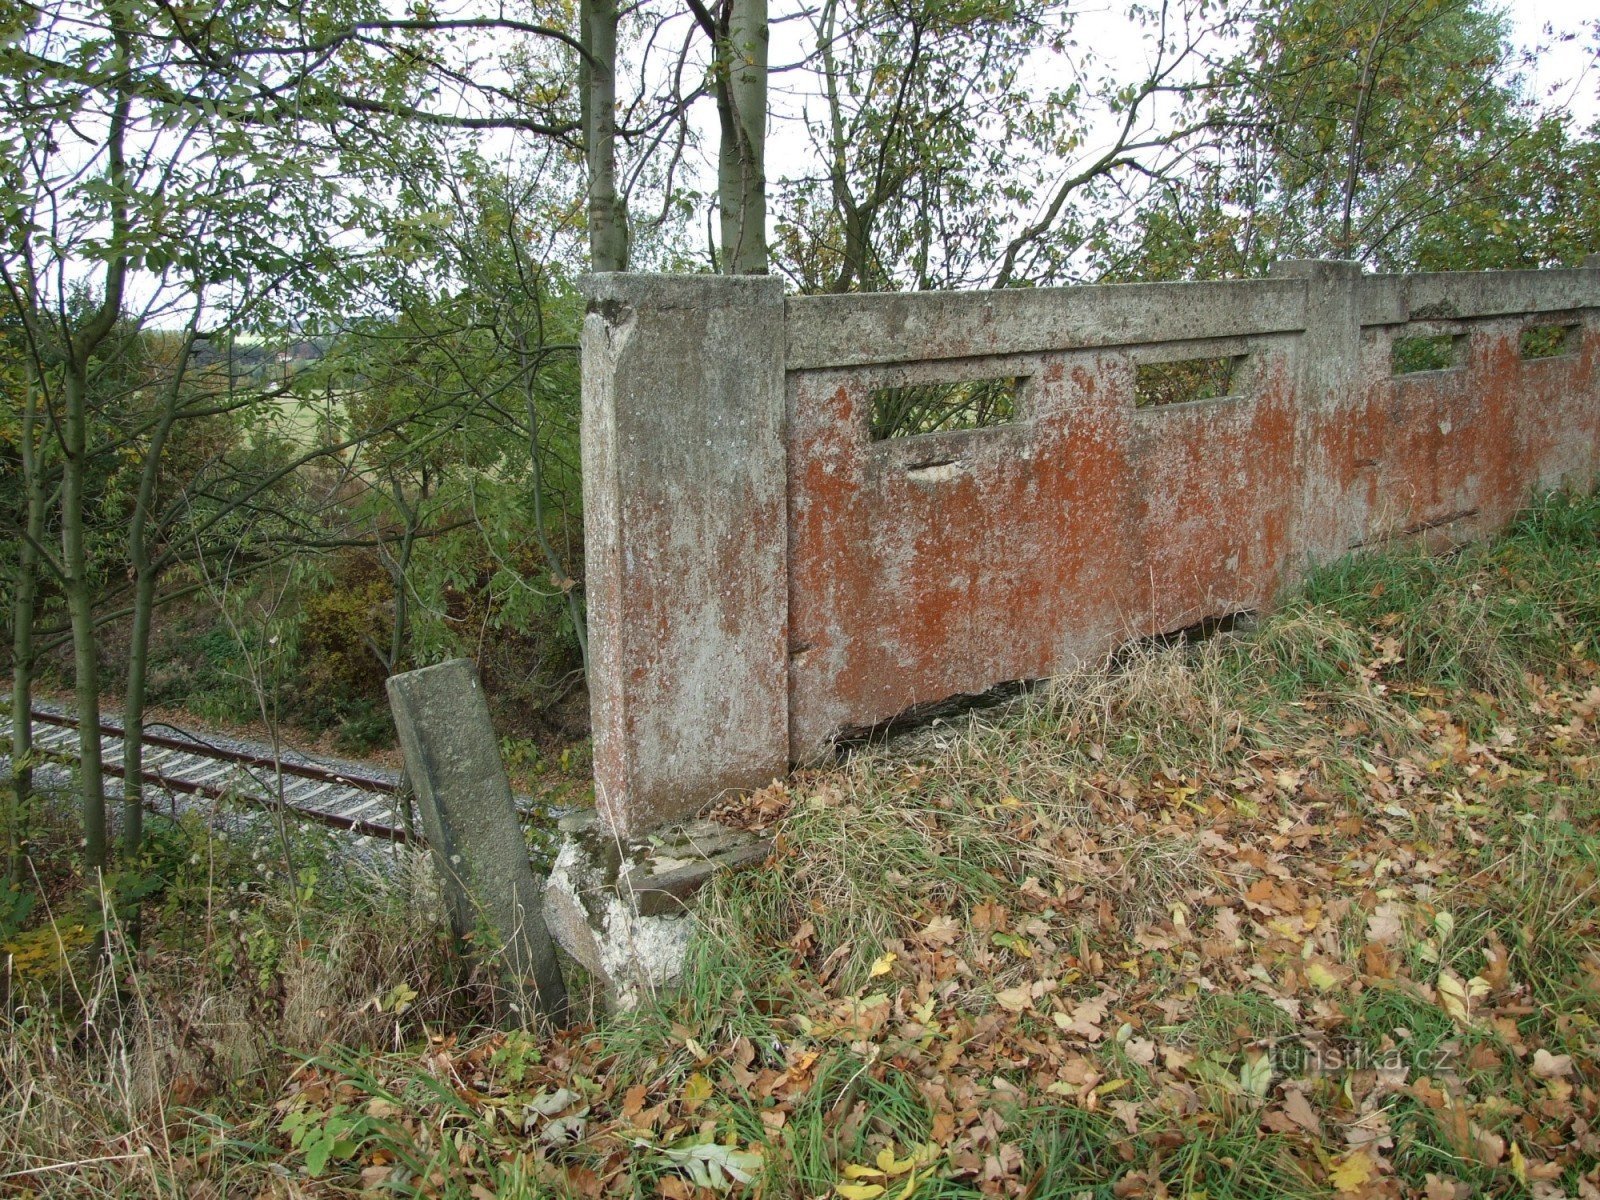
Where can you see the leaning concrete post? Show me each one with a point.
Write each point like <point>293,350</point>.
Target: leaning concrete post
<point>453,762</point>
<point>685,541</point>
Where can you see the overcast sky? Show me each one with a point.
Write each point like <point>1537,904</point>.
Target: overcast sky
<point>1570,64</point>
<point>1562,75</point>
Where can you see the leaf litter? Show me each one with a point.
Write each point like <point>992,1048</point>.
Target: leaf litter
<point>1190,925</point>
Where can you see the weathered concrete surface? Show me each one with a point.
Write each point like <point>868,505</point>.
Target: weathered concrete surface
<point>1455,453</point>
<point>1395,299</point>
<point>622,907</point>
<point>1042,543</point>
<point>453,760</point>
<point>686,555</point>
<point>1332,505</point>
<point>924,567</point>
<point>858,330</point>
<point>1051,539</point>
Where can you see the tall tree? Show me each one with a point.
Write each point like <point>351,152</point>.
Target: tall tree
<point>1394,132</point>
<point>597,84</point>
<point>964,144</point>
<point>211,173</point>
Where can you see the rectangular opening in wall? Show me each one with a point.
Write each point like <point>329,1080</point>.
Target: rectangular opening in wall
<point>1438,352</point>
<point>938,407</point>
<point>1549,341</point>
<point>1188,379</point>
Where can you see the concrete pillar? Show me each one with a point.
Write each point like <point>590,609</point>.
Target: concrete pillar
<point>686,540</point>
<point>1329,516</point>
<point>453,763</point>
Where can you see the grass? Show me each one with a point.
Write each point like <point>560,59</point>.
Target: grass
<point>1302,909</point>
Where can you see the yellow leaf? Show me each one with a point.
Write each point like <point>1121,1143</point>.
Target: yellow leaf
<point>1353,1171</point>
<point>1519,1164</point>
<point>857,1171</point>
<point>1453,997</point>
<point>1012,942</point>
<point>911,1186</point>
<point>1320,976</point>
<point>399,998</point>
<point>889,1165</point>
<point>860,1191</point>
<point>883,965</point>
<point>696,1089</point>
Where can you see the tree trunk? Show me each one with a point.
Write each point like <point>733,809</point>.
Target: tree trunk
<point>76,581</point>
<point>24,599</point>
<point>552,560</point>
<point>398,567</point>
<point>742,105</point>
<point>146,571</point>
<point>608,224</point>
<point>80,610</point>
<point>1358,130</point>
<point>144,598</point>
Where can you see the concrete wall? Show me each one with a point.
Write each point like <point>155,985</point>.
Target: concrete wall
<point>762,575</point>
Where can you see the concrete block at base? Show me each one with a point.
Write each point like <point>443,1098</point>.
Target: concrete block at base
<point>622,908</point>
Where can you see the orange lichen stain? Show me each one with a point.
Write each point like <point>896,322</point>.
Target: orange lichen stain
<point>1087,522</point>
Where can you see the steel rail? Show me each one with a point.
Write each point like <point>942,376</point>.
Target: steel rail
<point>276,803</point>
<point>367,783</point>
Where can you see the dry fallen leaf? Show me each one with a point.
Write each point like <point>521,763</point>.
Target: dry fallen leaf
<point>1016,999</point>
<point>941,931</point>
<point>1140,1050</point>
<point>1551,1066</point>
<point>1385,923</point>
<point>1299,1110</point>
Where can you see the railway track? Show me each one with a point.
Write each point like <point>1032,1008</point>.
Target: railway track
<point>369,806</point>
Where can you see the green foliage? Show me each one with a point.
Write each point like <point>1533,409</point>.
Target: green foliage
<point>364,726</point>
<point>1548,341</point>
<point>1482,618</point>
<point>342,628</point>
<point>1401,136</point>
<point>1182,381</point>
<point>934,407</point>
<point>335,1135</point>
<point>15,904</point>
<point>1433,353</point>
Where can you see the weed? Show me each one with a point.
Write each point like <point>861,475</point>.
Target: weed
<point>1305,908</point>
